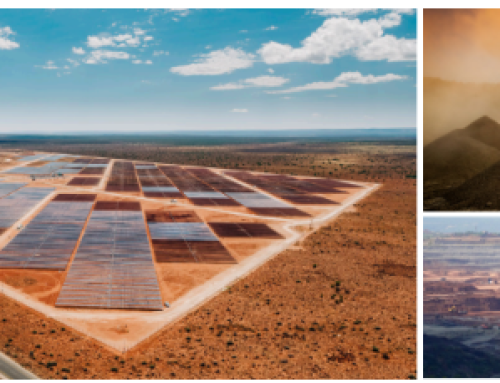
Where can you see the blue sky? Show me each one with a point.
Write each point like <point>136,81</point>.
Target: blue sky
<point>153,70</point>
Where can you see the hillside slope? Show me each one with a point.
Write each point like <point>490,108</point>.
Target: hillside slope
<point>445,358</point>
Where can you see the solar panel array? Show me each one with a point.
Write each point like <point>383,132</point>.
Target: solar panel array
<point>96,166</point>
<point>244,230</point>
<point>9,187</point>
<point>258,203</point>
<point>180,236</point>
<point>113,267</point>
<point>154,183</point>
<point>14,206</point>
<point>197,191</point>
<point>32,157</point>
<point>48,168</point>
<point>49,239</point>
<point>288,188</point>
<point>123,178</point>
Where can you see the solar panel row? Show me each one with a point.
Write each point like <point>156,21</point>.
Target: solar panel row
<point>7,188</point>
<point>49,239</point>
<point>154,183</point>
<point>84,181</point>
<point>287,188</point>
<point>123,178</point>
<point>113,267</point>
<point>14,206</point>
<point>244,230</point>
<point>180,236</point>
<point>198,192</point>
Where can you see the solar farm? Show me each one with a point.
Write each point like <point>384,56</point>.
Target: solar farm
<point>115,243</point>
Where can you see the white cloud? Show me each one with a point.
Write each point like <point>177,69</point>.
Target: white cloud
<point>147,62</point>
<point>176,19</point>
<point>259,82</point>
<point>267,81</point>
<point>271,28</point>
<point>342,81</point>
<point>286,98</point>
<point>182,12</point>
<point>353,12</point>
<point>228,86</point>
<point>160,53</point>
<point>315,115</point>
<point>123,40</point>
<point>139,31</point>
<point>78,51</point>
<point>340,36</point>
<point>343,11</point>
<point>208,47</point>
<point>49,65</point>
<point>98,42</point>
<point>100,56</point>
<point>270,70</point>
<point>389,48</point>
<point>5,41</point>
<point>217,62</point>
<point>74,62</point>
<point>239,110</point>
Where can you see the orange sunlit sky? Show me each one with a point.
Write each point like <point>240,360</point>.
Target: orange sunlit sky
<point>462,44</point>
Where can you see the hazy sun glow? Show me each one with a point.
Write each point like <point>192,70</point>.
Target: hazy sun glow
<point>462,44</point>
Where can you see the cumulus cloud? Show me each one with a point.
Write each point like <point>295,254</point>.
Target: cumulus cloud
<point>101,56</point>
<point>270,70</point>
<point>78,50</point>
<point>121,40</point>
<point>217,62</point>
<point>340,36</point>
<point>389,48</point>
<point>343,81</point>
<point>5,39</point>
<point>271,28</point>
<point>239,110</point>
<point>259,82</point>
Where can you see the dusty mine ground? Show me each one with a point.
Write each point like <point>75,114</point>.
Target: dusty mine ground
<point>340,304</point>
